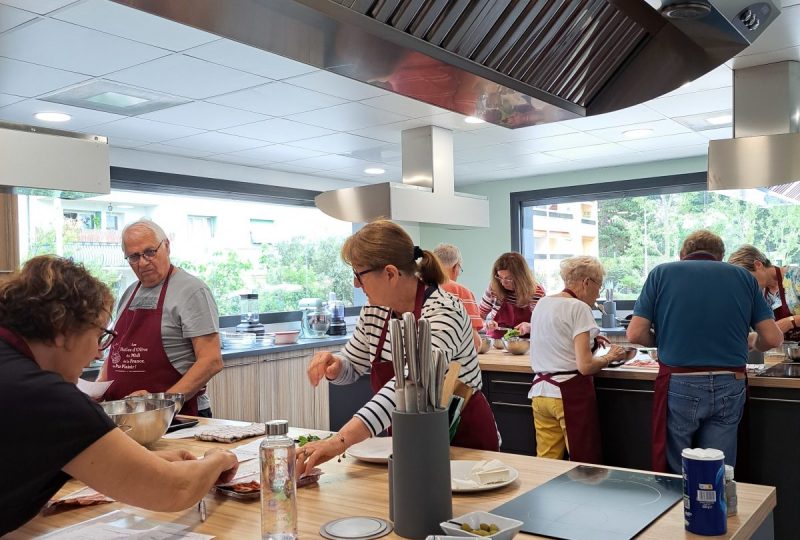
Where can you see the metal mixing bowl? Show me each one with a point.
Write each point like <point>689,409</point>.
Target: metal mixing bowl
<point>486,344</point>
<point>793,353</point>
<point>178,398</point>
<point>498,343</point>
<point>147,418</point>
<point>516,345</point>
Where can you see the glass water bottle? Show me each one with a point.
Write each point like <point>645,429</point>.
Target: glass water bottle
<point>278,488</point>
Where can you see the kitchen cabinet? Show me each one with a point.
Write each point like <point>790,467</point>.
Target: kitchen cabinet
<point>345,400</point>
<point>234,391</point>
<point>508,397</point>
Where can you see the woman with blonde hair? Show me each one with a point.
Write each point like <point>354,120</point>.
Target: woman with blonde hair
<point>781,286</point>
<point>54,319</point>
<point>563,331</point>
<point>397,277</point>
<point>510,297</point>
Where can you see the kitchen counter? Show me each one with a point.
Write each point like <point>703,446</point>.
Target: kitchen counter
<point>354,488</point>
<point>302,343</point>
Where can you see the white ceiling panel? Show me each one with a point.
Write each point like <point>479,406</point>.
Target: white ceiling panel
<point>238,56</point>
<point>332,161</point>
<point>144,130</point>
<point>7,99</point>
<point>338,143</point>
<point>589,152</point>
<point>677,152</point>
<point>216,142</point>
<point>277,99</point>
<point>719,133</point>
<point>38,6</point>
<point>348,116</point>
<point>560,142</point>
<point>631,115</point>
<point>237,160</point>
<point>286,167</point>
<point>655,143</point>
<point>11,17</point>
<point>29,80</point>
<point>23,111</point>
<point>336,85</point>
<point>62,45</point>
<point>276,153</point>
<point>278,130</point>
<point>122,142</point>
<point>392,133</point>
<point>402,105</point>
<point>451,120</point>
<point>496,134</point>
<point>202,115</point>
<point>186,76</point>
<point>175,150</point>
<point>131,23</point>
<point>720,77</point>
<point>694,103</point>
<point>660,128</point>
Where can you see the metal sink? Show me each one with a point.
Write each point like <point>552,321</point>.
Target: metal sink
<point>785,369</point>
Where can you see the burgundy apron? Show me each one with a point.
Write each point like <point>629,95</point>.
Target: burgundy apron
<point>477,428</point>
<point>137,359</point>
<point>508,316</point>
<point>16,341</point>
<point>793,334</point>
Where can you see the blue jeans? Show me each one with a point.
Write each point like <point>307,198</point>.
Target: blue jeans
<point>703,411</point>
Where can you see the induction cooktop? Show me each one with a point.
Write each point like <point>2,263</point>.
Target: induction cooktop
<point>594,503</point>
<point>784,369</point>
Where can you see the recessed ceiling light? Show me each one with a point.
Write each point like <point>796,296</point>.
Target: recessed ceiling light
<point>52,116</point>
<point>719,120</point>
<point>374,170</point>
<point>637,133</point>
<point>117,99</point>
<point>474,120</point>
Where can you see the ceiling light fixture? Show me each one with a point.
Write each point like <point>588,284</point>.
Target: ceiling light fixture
<point>637,133</point>
<point>374,170</point>
<point>720,120</point>
<point>117,99</point>
<point>52,116</point>
<point>474,120</point>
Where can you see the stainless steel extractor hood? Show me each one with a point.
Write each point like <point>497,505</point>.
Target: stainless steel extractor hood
<point>765,150</point>
<point>426,194</point>
<point>514,63</point>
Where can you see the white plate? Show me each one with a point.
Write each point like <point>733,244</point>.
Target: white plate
<point>372,450</point>
<point>460,469</point>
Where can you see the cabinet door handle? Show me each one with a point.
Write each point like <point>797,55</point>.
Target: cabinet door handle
<point>511,404</point>
<point>511,382</point>
<point>629,390</point>
<point>773,400</point>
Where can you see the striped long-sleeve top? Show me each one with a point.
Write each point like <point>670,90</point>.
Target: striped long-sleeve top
<point>490,303</point>
<point>451,332</point>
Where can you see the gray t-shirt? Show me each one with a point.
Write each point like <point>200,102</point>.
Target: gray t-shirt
<point>189,311</point>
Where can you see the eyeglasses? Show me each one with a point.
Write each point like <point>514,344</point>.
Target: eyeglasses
<point>148,254</point>
<point>595,282</point>
<point>358,275</point>
<point>460,267</point>
<point>106,338</point>
<point>504,279</point>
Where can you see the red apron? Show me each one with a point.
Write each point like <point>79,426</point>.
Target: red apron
<point>477,428</point>
<point>793,334</point>
<point>508,316</point>
<point>137,360</point>
<point>16,341</point>
<point>580,415</point>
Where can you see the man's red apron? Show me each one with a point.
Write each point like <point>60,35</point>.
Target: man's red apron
<point>137,359</point>
<point>580,415</point>
<point>781,312</point>
<point>477,428</point>
<point>16,341</point>
<point>508,316</point>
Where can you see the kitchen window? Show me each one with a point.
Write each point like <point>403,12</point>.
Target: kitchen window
<point>632,226</point>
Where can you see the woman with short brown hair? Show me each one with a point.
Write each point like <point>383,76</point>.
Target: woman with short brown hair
<point>511,296</point>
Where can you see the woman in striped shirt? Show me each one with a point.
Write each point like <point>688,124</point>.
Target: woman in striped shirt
<point>510,297</point>
<point>397,277</point>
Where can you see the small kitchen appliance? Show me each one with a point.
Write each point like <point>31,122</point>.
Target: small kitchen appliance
<point>248,306</point>
<point>609,317</point>
<point>336,307</point>
<point>315,318</point>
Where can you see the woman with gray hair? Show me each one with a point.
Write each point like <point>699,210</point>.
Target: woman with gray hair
<point>450,257</point>
<point>563,330</point>
<point>781,287</point>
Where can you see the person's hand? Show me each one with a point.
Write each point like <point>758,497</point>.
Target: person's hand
<point>751,340</point>
<point>491,325</point>
<point>523,328</point>
<point>314,453</point>
<point>323,364</point>
<point>602,341</point>
<point>230,459</point>
<point>176,455</point>
<point>615,353</point>
<point>138,393</point>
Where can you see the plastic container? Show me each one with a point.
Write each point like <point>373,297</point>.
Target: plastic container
<point>731,500</point>
<point>704,491</point>
<point>278,488</point>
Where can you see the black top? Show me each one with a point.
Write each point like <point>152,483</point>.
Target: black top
<point>46,422</point>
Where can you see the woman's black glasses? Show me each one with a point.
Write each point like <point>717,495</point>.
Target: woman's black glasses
<point>106,338</point>
<point>358,275</point>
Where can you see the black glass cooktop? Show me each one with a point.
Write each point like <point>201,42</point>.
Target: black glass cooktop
<point>594,503</point>
<point>785,369</point>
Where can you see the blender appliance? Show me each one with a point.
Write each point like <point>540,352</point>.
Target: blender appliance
<point>336,307</point>
<point>315,318</point>
<point>248,305</point>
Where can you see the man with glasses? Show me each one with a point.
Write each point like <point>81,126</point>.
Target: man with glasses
<point>450,257</point>
<point>167,326</point>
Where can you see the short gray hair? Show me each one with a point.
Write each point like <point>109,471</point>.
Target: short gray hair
<point>448,254</point>
<point>582,266</point>
<point>144,223</point>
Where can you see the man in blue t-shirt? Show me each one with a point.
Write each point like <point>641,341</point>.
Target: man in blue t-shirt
<point>701,311</point>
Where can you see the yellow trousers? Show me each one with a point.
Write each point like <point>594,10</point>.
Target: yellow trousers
<point>551,429</point>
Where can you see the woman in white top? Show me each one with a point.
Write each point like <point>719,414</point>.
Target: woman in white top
<point>397,277</point>
<point>563,331</point>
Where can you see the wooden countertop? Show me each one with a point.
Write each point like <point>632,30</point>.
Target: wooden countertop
<point>354,488</point>
<point>502,361</point>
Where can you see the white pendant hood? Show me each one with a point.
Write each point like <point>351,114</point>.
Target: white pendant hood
<point>426,195</point>
<point>765,150</point>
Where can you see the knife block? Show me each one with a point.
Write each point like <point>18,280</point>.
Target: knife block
<point>420,495</point>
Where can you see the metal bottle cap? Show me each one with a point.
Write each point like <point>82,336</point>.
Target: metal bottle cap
<point>277,427</point>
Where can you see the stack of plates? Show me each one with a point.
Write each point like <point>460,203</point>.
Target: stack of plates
<point>360,527</point>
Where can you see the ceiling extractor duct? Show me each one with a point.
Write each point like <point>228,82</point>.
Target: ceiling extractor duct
<point>426,194</point>
<point>514,63</point>
<point>765,150</point>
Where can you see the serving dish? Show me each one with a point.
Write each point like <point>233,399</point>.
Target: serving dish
<point>372,450</point>
<point>507,528</point>
<point>287,337</point>
<point>461,470</point>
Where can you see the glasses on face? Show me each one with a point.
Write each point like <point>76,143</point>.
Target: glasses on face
<point>504,279</point>
<point>148,254</point>
<point>460,267</point>
<point>358,275</point>
<point>595,282</point>
<point>105,339</point>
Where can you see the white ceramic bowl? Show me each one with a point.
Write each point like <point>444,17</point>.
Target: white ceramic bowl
<point>509,528</point>
<point>287,337</point>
